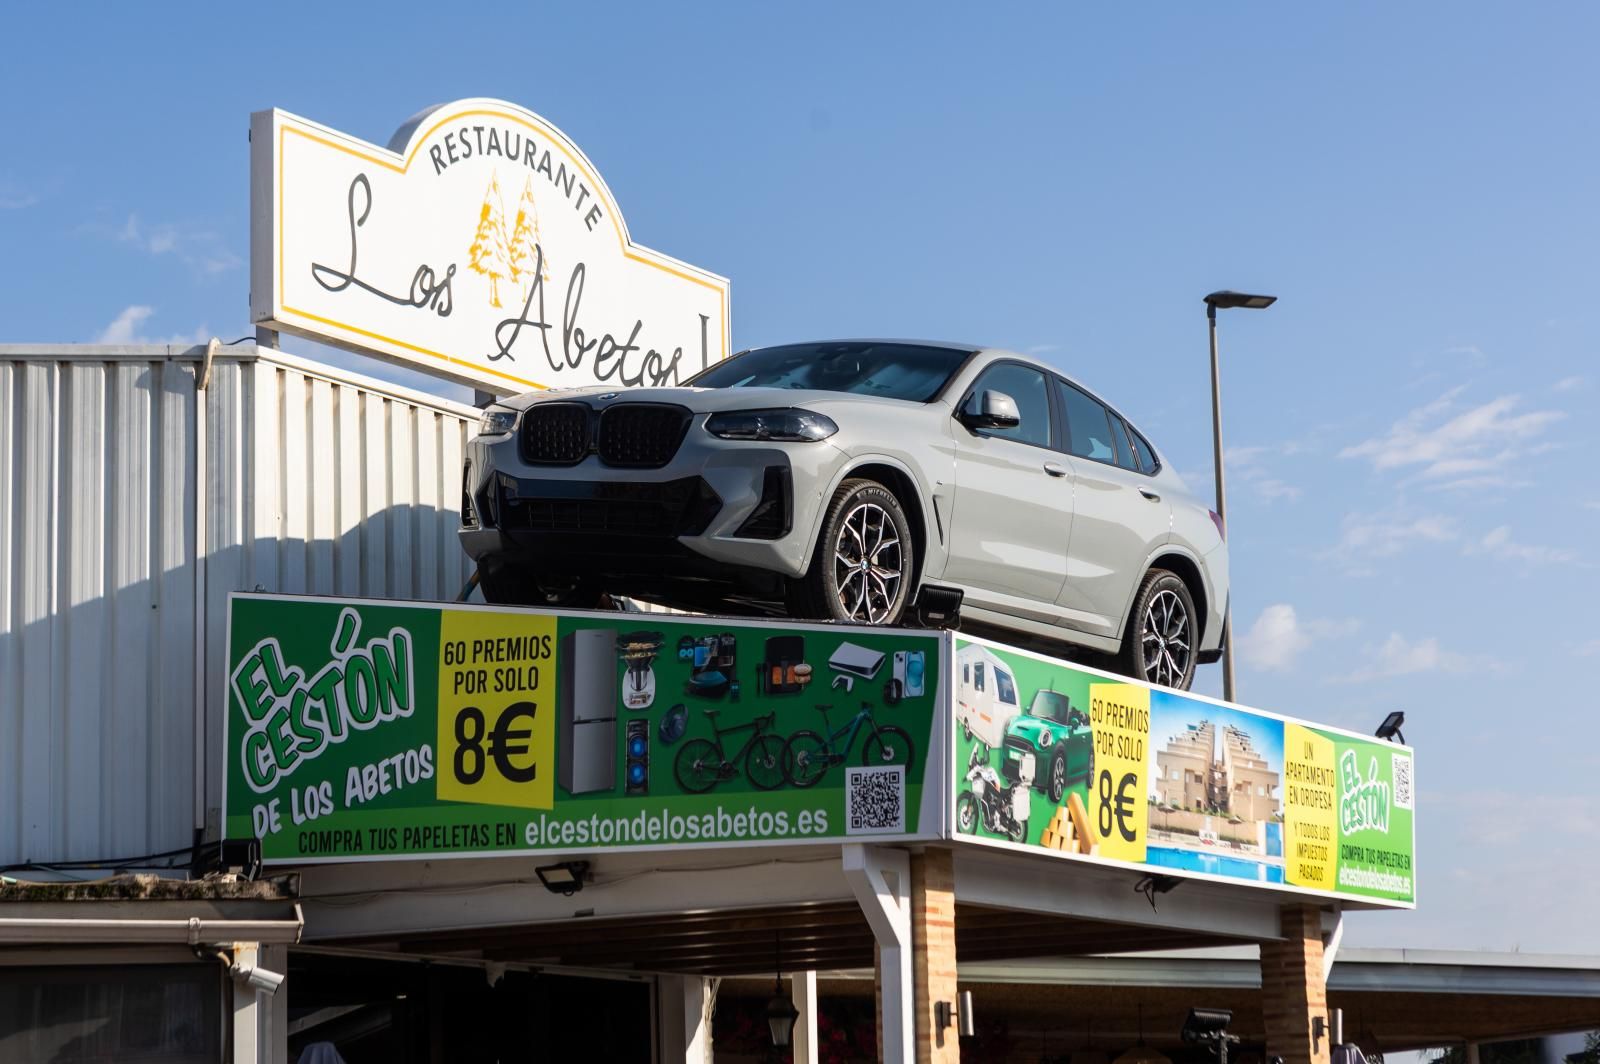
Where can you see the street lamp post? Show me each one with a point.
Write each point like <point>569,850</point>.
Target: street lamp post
<point>1226,300</point>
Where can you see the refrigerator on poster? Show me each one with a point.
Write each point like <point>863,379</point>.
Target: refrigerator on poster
<point>1087,765</point>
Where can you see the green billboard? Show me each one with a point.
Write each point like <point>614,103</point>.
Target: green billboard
<point>373,730</point>
<point>1083,764</point>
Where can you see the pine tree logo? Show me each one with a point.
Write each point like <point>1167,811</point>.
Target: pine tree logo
<point>489,254</point>
<point>527,246</point>
<point>512,257</point>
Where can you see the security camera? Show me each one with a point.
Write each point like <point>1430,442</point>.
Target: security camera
<point>262,979</point>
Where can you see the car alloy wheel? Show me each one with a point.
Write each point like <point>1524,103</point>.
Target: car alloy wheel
<point>1166,633</point>
<point>1058,777</point>
<point>868,563</point>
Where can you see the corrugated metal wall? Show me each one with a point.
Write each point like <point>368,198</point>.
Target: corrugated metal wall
<point>317,481</point>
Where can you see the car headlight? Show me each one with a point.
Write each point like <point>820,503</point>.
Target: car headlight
<point>791,425</point>
<point>1045,739</point>
<point>497,421</point>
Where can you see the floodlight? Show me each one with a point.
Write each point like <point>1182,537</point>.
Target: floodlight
<point>1390,728</point>
<point>563,878</point>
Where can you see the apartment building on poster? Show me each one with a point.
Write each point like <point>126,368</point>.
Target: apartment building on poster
<point>1192,773</point>
<point>1248,784</point>
<point>1184,768</point>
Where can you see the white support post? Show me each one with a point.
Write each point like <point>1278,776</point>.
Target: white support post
<point>685,1006</point>
<point>247,1011</point>
<point>1331,937</point>
<point>275,1025</point>
<point>803,990</point>
<point>881,881</point>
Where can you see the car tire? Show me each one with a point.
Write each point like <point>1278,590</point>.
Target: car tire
<point>1160,643</point>
<point>865,523</point>
<point>1057,783</point>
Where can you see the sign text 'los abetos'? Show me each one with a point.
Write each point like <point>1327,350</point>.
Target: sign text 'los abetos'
<point>481,244</point>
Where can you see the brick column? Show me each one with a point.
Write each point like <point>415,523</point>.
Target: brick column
<point>1293,992</point>
<point>933,953</point>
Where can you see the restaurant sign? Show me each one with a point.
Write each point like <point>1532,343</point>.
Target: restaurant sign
<point>481,244</point>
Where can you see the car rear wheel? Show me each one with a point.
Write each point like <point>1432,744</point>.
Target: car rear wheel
<point>1163,635</point>
<point>863,565</point>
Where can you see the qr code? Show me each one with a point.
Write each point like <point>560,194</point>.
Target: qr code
<point>875,800</point>
<point>1402,781</point>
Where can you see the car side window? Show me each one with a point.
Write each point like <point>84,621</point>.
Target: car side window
<point>1147,457</point>
<point>1027,387</point>
<point>1088,425</point>
<point>1125,456</point>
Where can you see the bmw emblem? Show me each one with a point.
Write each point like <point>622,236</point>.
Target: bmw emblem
<point>609,395</point>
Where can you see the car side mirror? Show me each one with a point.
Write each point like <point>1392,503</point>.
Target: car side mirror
<point>990,410</point>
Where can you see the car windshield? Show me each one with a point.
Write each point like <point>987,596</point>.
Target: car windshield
<point>1051,705</point>
<point>892,371</point>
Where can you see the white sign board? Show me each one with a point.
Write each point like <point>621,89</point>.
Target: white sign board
<point>481,245</point>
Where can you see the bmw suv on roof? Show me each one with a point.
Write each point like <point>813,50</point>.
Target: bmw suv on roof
<point>834,479</point>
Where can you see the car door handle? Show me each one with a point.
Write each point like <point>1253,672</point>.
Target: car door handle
<point>1054,470</point>
<point>1147,493</point>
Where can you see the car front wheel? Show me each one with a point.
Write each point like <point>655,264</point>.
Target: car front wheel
<point>1058,777</point>
<point>862,568</point>
<point>1163,633</point>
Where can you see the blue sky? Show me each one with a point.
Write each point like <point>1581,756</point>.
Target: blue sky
<point>1410,429</point>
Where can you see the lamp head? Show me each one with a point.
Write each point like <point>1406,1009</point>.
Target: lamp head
<point>1226,300</point>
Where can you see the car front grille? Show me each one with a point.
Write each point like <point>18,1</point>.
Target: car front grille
<point>626,436</point>
<point>555,433</point>
<point>674,508</point>
<point>641,435</point>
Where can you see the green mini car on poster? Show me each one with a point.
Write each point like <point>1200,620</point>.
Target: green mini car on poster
<point>1057,735</point>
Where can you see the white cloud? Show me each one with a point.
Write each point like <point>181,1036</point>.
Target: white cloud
<point>1568,384</point>
<point>1399,656</point>
<point>1368,536</point>
<point>1499,544</point>
<point>1457,447</point>
<point>1278,637</point>
<point>125,329</point>
<point>1246,468</point>
<point>1589,649</point>
<point>196,247</point>
<point>1503,816</point>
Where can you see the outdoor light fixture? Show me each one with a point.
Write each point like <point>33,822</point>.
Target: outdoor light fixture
<point>564,878</point>
<point>1390,728</point>
<point>781,1015</point>
<point>938,607</point>
<point>1227,301</point>
<point>781,1012</point>
<point>968,1027</point>
<point>1152,885</point>
<point>1209,1027</point>
<point>1141,1053</point>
